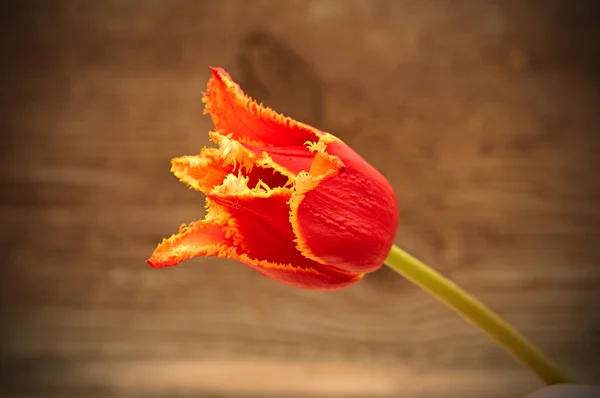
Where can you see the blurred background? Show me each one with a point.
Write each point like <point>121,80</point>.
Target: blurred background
<point>483,114</point>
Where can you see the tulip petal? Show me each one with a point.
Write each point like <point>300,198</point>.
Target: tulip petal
<point>203,238</point>
<point>343,216</point>
<point>275,141</point>
<point>235,113</point>
<point>261,218</point>
<point>298,277</point>
<point>287,161</point>
<point>207,238</point>
<point>205,171</point>
<point>290,160</point>
<point>201,172</point>
<point>246,225</point>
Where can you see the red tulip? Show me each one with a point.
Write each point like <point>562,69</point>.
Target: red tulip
<point>284,198</point>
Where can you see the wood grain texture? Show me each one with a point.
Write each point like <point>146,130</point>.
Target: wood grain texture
<point>483,115</point>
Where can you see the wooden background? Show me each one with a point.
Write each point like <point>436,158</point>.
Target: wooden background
<point>482,114</point>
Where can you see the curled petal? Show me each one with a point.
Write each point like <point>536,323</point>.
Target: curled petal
<point>209,169</point>
<point>201,172</point>
<point>344,213</point>
<point>251,226</point>
<point>249,156</point>
<point>235,113</point>
<point>203,238</point>
<point>208,238</point>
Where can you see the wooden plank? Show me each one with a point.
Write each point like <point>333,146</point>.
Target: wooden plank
<point>487,136</point>
<point>253,377</point>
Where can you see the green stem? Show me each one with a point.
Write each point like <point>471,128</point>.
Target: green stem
<point>477,313</point>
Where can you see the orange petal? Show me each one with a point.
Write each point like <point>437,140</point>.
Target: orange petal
<point>249,156</point>
<point>235,113</point>
<point>209,169</point>
<point>203,238</point>
<point>201,172</point>
<point>344,212</point>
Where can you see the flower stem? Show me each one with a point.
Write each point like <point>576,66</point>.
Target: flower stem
<point>477,313</point>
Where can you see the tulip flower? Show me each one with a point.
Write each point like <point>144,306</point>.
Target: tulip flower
<point>299,206</point>
<point>286,199</point>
